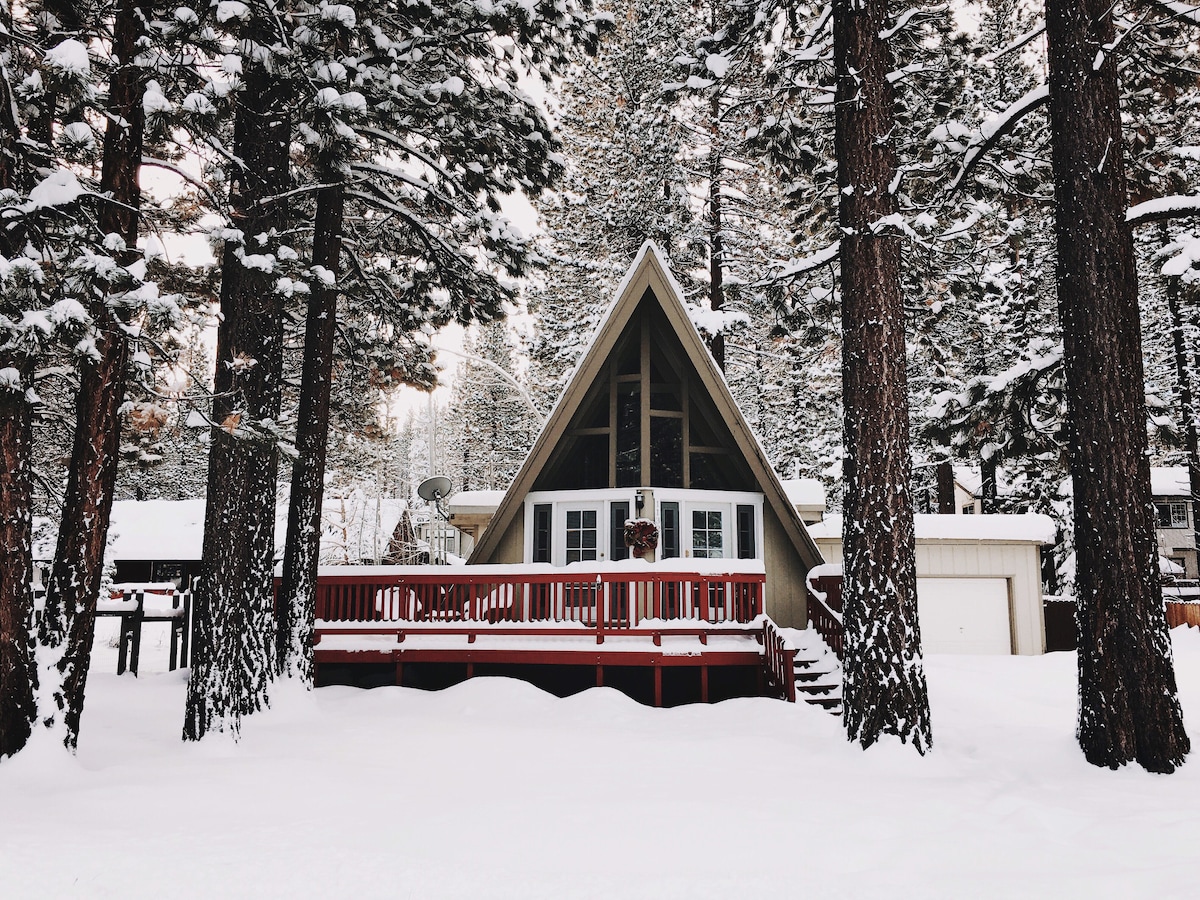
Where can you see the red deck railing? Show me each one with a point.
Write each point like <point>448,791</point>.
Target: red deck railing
<point>605,600</point>
<point>780,660</point>
<point>825,611</point>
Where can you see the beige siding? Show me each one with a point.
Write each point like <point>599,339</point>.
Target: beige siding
<point>1018,562</point>
<point>785,591</point>
<point>511,547</point>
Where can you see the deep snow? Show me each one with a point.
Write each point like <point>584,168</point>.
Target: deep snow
<point>495,789</point>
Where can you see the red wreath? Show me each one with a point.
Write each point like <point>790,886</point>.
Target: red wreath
<point>641,536</point>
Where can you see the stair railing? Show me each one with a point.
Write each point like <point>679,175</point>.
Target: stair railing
<point>825,606</point>
<point>779,658</point>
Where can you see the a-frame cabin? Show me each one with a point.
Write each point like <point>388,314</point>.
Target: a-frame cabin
<point>646,427</point>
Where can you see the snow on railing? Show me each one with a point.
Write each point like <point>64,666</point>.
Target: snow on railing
<point>825,587</point>
<point>604,597</point>
<point>779,657</point>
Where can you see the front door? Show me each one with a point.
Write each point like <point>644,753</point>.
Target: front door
<point>580,544</point>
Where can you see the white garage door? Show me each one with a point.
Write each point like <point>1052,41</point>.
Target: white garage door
<point>964,615</point>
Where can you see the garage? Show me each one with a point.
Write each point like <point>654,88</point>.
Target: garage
<point>964,615</point>
<point>979,584</point>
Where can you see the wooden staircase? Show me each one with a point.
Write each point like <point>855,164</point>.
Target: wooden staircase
<point>818,672</point>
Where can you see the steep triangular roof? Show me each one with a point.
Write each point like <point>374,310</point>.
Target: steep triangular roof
<point>648,276</point>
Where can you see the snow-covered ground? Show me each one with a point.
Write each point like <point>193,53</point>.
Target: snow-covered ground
<point>494,789</point>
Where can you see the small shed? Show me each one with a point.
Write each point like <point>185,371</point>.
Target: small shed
<point>979,588</point>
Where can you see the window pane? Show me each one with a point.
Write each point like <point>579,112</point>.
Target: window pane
<point>670,530</point>
<point>589,518</point>
<point>618,513</point>
<point>745,531</point>
<point>666,452</point>
<point>572,518</point>
<point>541,532</point>
<point>629,435</point>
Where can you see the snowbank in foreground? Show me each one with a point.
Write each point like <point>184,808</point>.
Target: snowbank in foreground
<point>493,789</point>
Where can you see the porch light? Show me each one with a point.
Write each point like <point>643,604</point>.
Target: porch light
<point>639,500</point>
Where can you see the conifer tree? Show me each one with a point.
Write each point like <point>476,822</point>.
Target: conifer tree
<point>1128,704</point>
<point>884,680</point>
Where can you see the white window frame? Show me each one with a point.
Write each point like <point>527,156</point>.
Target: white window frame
<point>602,499</point>
<point>1178,513</point>
<point>559,553</point>
<point>725,501</point>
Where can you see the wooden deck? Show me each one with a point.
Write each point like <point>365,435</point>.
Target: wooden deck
<point>408,616</point>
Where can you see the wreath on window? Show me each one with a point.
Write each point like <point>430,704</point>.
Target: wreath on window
<point>641,536</point>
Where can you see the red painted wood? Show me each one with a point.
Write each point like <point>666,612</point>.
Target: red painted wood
<point>610,600</point>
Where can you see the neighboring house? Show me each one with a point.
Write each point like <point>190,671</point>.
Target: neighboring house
<point>979,586</point>
<point>647,428</point>
<point>1175,524</point>
<point>161,540</point>
<point>470,512</point>
<point>807,495</point>
<point>1173,510</point>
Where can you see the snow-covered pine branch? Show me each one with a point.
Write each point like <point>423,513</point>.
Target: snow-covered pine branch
<point>989,134</point>
<point>1164,209</point>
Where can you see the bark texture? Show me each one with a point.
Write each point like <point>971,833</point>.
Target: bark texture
<point>233,660</point>
<point>298,588</point>
<point>18,674</point>
<point>716,250</point>
<point>74,585</point>
<point>1128,707</point>
<point>885,689</point>
<point>1187,408</point>
<point>945,489</point>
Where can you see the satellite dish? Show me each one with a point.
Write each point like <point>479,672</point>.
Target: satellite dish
<point>434,488</point>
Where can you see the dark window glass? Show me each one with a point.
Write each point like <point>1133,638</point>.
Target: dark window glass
<point>666,452</point>
<point>591,463</point>
<point>581,535</point>
<point>745,532</point>
<point>618,513</point>
<point>668,537</point>
<point>629,435</point>
<point>541,532</point>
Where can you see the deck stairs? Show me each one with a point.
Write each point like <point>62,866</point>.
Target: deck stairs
<point>818,671</point>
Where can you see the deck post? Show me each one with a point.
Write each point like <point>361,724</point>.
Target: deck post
<point>399,677</point>
<point>657,684</point>
<point>599,675</point>
<point>704,684</point>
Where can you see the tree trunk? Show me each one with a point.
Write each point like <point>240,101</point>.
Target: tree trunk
<point>298,589</point>
<point>947,506</point>
<point>988,492</point>
<point>18,674</point>
<point>79,556</point>
<point>233,659</point>
<point>1187,408</point>
<point>1128,707</point>
<point>716,257</point>
<point>885,689</point>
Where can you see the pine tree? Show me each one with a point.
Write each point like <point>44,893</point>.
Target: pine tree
<point>233,654</point>
<point>74,585</point>
<point>1128,706</point>
<point>884,687</point>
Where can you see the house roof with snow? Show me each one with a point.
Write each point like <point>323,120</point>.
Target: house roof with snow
<point>1170,481</point>
<point>647,330</point>
<point>1026,527</point>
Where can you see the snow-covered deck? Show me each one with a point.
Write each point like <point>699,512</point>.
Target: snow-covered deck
<point>698,613</point>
